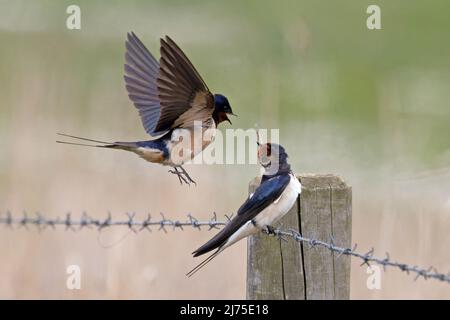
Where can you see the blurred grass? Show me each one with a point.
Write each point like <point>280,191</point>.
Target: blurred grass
<point>371,106</point>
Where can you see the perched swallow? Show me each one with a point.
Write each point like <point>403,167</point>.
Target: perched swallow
<point>172,100</point>
<point>274,197</point>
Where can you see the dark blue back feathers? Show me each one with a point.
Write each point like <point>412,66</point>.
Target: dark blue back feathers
<point>269,191</point>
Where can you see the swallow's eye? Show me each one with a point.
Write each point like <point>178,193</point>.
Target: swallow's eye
<point>269,149</point>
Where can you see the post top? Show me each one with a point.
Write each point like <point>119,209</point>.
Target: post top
<point>311,180</point>
<point>314,181</point>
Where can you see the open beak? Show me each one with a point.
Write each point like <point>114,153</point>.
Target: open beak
<point>228,119</point>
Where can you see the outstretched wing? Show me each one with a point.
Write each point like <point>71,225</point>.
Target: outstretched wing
<point>141,74</point>
<point>184,96</point>
<point>264,195</point>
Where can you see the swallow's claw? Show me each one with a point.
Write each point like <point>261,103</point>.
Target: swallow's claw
<point>183,176</point>
<point>179,176</point>
<point>269,230</point>
<point>186,175</point>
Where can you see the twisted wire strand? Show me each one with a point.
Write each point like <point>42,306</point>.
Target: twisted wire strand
<point>86,221</point>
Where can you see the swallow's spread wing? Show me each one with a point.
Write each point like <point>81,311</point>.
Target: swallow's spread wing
<point>184,96</point>
<point>264,195</point>
<point>169,94</point>
<point>142,71</point>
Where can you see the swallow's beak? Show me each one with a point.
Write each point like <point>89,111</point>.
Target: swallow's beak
<point>223,116</point>
<point>228,119</point>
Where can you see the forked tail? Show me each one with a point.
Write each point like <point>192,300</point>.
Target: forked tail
<point>204,262</point>
<point>102,144</point>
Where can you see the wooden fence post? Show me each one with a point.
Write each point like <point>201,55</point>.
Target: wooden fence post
<point>291,270</point>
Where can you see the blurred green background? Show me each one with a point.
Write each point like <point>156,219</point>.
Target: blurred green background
<point>369,105</point>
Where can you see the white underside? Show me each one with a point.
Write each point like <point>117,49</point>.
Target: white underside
<point>269,215</point>
<point>185,144</point>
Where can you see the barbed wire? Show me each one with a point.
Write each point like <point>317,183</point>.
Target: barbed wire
<point>86,221</point>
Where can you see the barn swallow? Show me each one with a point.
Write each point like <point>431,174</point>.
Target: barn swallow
<point>274,197</point>
<point>172,99</point>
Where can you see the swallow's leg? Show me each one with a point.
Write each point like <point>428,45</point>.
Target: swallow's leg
<point>269,230</point>
<point>186,175</point>
<point>179,175</point>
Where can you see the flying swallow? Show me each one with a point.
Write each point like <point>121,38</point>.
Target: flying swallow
<point>274,197</point>
<point>173,102</point>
